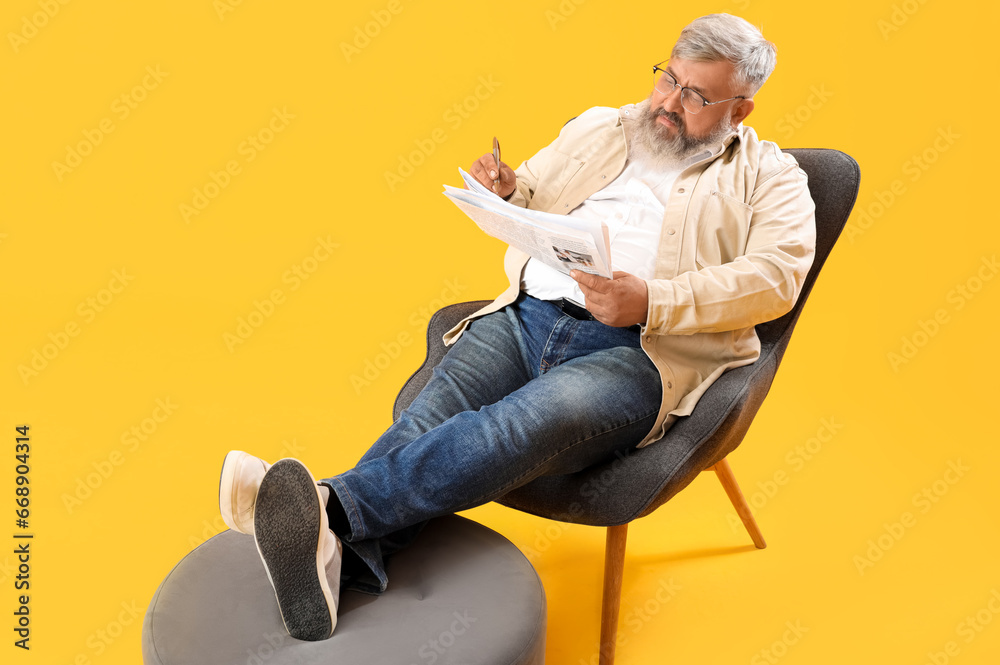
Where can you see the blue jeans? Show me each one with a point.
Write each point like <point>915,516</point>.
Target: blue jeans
<point>525,391</point>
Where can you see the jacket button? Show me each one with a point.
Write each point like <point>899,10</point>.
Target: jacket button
<point>649,338</point>
<point>565,205</point>
<point>604,177</point>
<point>669,384</point>
<point>670,232</point>
<point>680,191</point>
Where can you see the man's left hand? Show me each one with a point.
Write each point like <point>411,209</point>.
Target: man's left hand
<point>621,301</point>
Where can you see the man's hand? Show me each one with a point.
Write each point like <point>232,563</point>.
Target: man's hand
<point>484,170</point>
<point>621,301</point>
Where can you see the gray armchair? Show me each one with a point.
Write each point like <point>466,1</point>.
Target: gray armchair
<point>650,476</point>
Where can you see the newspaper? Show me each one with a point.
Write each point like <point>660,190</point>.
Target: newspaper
<point>558,241</point>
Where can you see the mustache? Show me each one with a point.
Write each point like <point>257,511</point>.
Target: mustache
<point>671,116</point>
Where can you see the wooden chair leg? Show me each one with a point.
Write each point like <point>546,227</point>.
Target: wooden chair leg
<point>725,473</point>
<point>614,567</point>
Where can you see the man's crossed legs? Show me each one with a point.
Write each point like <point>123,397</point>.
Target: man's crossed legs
<point>524,392</point>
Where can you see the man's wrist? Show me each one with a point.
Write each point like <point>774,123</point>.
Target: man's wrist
<point>512,193</point>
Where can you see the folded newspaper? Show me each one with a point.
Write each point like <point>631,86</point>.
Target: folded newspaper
<point>559,241</point>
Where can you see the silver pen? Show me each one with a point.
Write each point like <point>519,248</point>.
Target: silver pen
<point>496,157</point>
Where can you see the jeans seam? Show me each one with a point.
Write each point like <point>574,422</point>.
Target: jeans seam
<point>567,342</point>
<point>522,345</point>
<point>545,365</point>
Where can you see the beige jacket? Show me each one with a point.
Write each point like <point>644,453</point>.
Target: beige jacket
<point>738,239</point>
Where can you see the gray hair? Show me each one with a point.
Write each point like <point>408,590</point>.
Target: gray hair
<point>726,37</point>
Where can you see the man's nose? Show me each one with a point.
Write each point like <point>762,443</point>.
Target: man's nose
<point>672,102</point>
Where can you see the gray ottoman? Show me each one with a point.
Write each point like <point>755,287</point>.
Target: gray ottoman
<point>460,594</point>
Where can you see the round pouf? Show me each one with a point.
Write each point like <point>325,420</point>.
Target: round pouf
<point>459,594</point>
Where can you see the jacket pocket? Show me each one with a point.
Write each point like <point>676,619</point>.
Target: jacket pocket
<point>723,228</point>
<point>553,178</point>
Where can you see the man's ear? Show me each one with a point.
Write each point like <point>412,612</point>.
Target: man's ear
<point>742,110</point>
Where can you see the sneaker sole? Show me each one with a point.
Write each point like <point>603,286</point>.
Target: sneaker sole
<point>289,525</point>
<point>227,499</point>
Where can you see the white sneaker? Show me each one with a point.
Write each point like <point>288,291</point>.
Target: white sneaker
<point>301,556</point>
<point>241,476</point>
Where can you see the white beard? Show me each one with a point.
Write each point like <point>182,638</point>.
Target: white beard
<point>654,147</point>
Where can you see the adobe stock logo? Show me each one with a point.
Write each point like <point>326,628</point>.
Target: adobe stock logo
<point>639,615</point>
<point>38,20</point>
<point>796,459</point>
<point>363,35</point>
<point>914,168</point>
<point>779,648</point>
<point>969,629</point>
<point>803,113</point>
<point>924,500</point>
<point>250,148</point>
<point>455,116</point>
<point>958,297</point>
<point>101,639</point>
<point>122,108</point>
<point>223,7</point>
<point>393,349</point>
<point>431,650</point>
<point>264,309</point>
<point>899,16</point>
<point>566,9</point>
<point>132,439</point>
<point>60,339</point>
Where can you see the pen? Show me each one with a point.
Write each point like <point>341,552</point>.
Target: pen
<point>496,157</point>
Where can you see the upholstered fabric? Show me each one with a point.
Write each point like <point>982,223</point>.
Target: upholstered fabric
<point>460,594</point>
<point>634,486</point>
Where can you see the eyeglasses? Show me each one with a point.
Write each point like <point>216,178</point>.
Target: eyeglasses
<point>692,101</point>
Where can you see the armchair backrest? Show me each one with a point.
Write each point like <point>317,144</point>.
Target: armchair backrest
<point>834,178</point>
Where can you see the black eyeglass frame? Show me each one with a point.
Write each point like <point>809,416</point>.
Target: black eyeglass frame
<point>698,95</point>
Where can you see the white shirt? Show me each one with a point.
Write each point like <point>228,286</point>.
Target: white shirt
<point>632,206</point>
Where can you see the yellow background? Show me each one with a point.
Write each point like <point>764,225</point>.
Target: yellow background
<point>881,80</point>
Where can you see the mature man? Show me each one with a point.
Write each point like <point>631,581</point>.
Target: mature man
<point>712,232</point>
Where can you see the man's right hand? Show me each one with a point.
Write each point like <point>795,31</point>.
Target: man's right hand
<point>484,170</point>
